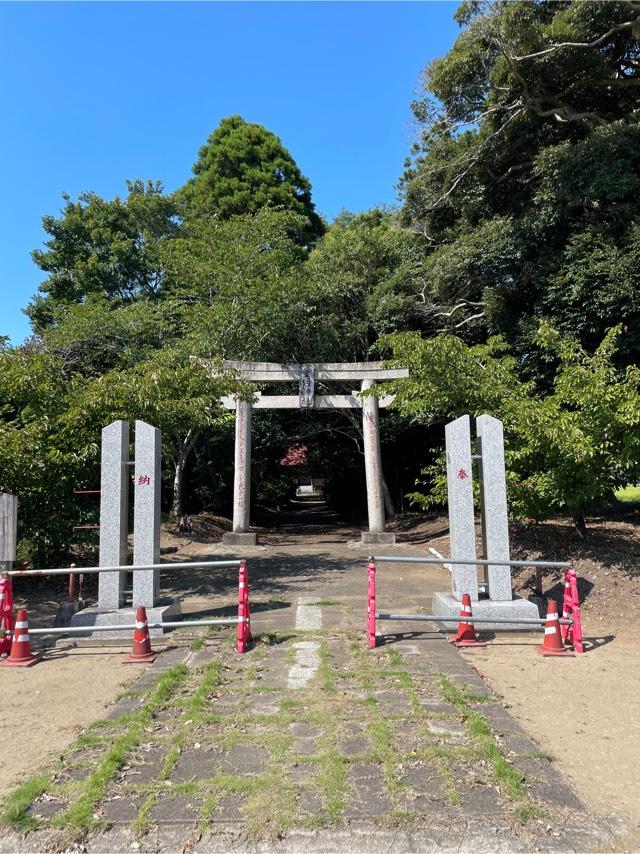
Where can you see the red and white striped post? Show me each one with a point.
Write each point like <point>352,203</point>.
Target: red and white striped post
<point>6,614</point>
<point>242,608</point>
<point>371,605</point>
<point>248,633</point>
<point>573,633</point>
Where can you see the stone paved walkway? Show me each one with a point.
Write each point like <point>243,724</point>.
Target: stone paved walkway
<point>308,742</point>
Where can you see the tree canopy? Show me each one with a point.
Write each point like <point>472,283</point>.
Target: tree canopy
<point>103,248</point>
<point>567,450</point>
<point>524,181</point>
<point>243,168</point>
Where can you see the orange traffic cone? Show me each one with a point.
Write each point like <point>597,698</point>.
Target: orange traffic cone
<point>141,643</point>
<point>466,635</point>
<point>552,644</point>
<point>20,655</point>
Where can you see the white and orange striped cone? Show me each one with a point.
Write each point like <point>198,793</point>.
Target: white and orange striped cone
<point>20,655</point>
<point>466,634</point>
<point>552,644</point>
<point>141,651</point>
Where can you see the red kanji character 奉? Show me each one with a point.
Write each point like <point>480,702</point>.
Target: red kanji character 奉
<point>144,480</point>
<point>462,474</point>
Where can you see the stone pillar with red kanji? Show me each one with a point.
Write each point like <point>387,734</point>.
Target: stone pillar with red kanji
<point>146,514</point>
<point>462,532</point>
<point>114,513</point>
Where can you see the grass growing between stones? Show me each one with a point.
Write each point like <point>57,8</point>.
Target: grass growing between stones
<point>385,754</point>
<point>508,777</point>
<point>16,808</point>
<point>354,740</point>
<point>326,671</point>
<point>528,810</point>
<point>271,808</point>
<point>80,816</point>
<point>324,603</point>
<point>197,703</point>
<point>332,783</point>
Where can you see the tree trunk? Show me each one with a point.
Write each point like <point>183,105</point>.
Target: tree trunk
<point>186,447</point>
<point>581,526</point>
<point>389,506</point>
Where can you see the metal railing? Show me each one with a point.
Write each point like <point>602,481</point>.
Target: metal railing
<point>88,570</point>
<point>185,624</point>
<point>373,614</point>
<point>479,561</point>
<point>434,618</point>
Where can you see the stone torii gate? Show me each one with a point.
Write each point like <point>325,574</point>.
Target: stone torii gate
<point>367,373</point>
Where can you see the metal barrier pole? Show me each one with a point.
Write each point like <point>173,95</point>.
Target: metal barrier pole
<point>97,569</point>
<point>63,630</point>
<point>558,564</point>
<point>439,618</point>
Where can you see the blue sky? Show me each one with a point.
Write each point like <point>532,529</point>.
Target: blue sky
<point>95,93</point>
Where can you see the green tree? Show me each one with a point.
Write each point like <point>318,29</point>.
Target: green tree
<point>243,168</point>
<point>103,248</point>
<point>526,172</point>
<point>170,390</point>
<point>95,336</point>
<point>367,279</point>
<point>243,284</point>
<point>50,423</point>
<point>39,462</point>
<point>566,451</point>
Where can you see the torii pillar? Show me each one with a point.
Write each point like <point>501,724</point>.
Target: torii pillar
<point>373,470</point>
<point>241,535</point>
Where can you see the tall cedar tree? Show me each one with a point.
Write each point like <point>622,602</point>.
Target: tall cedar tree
<point>242,168</point>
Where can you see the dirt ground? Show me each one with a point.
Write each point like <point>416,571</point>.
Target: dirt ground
<point>582,710</point>
<point>44,707</point>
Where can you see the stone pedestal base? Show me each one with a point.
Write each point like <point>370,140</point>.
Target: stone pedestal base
<point>168,610</point>
<point>369,538</point>
<point>444,603</point>
<point>233,538</point>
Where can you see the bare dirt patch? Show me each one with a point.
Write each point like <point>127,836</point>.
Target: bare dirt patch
<point>582,711</point>
<point>44,707</point>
